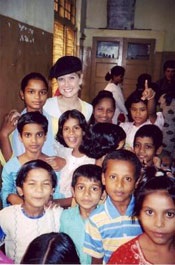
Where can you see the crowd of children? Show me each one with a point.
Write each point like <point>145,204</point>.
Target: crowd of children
<point>80,185</point>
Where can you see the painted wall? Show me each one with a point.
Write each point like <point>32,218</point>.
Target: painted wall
<point>156,15</point>
<point>37,13</point>
<point>96,16</point>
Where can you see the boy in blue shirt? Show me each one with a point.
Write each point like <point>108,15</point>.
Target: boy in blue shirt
<point>87,189</point>
<point>32,128</point>
<point>110,225</point>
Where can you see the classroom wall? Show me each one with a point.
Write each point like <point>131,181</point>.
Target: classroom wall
<point>26,45</point>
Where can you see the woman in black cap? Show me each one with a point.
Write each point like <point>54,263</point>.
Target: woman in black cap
<point>68,72</point>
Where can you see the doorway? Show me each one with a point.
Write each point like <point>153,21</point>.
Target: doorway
<point>135,55</point>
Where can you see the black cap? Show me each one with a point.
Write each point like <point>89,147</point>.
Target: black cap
<point>65,65</point>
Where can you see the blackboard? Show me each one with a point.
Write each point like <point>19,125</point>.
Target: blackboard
<point>120,14</point>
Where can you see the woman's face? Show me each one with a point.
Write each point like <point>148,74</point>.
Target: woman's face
<point>104,111</point>
<point>69,85</point>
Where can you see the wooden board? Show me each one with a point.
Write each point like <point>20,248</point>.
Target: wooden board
<point>23,49</point>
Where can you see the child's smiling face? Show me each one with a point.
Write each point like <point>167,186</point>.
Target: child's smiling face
<point>104,110</point>
<point>36,190</point>
<point>72,133</point>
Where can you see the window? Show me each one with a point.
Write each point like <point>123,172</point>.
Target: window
<point>138,51</point>
<point>64,40</point>
<point>107,49</point>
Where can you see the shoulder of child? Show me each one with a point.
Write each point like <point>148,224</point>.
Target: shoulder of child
<point>126,125</point>
<point>12,162</point>
<point>119,255</point>
<point>100,208</point>
<point>70,213</point>
<point>56,210</point>
<point>6,212</point>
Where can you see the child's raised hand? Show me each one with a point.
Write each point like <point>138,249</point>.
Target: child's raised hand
<point>148,92</point>
<point>10,122</point>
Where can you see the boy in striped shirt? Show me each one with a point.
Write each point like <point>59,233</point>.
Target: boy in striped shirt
<point>110,225</point>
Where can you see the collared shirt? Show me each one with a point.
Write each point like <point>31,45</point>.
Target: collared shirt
<point>107,229</point>
<point>73,224</point>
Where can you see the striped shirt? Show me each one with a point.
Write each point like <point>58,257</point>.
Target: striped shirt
<point>107,229</point>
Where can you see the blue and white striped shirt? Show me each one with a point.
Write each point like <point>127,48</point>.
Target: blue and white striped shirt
<point>107,229</point>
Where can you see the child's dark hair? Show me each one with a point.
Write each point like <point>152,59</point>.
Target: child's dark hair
<point>135,97</point>
<point>150,184</point>
<point>152,131</point>
<point>124,155</point>
<point>103,94</point>
<point>33,76</point>
<point>141,81</point>
<point>101,139</point>
<point>51,248</point>
<point>30,118</point>
<point>75,114</point>
<point>90,171</point>
<point>34,164</point>
<point>115,71</point>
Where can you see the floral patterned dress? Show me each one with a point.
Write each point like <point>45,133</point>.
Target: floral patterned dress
<point>168,130</point>
<point>129,253</point>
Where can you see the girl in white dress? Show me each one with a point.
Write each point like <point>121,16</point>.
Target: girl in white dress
<point>72,128</point>
<point>115,76</point>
